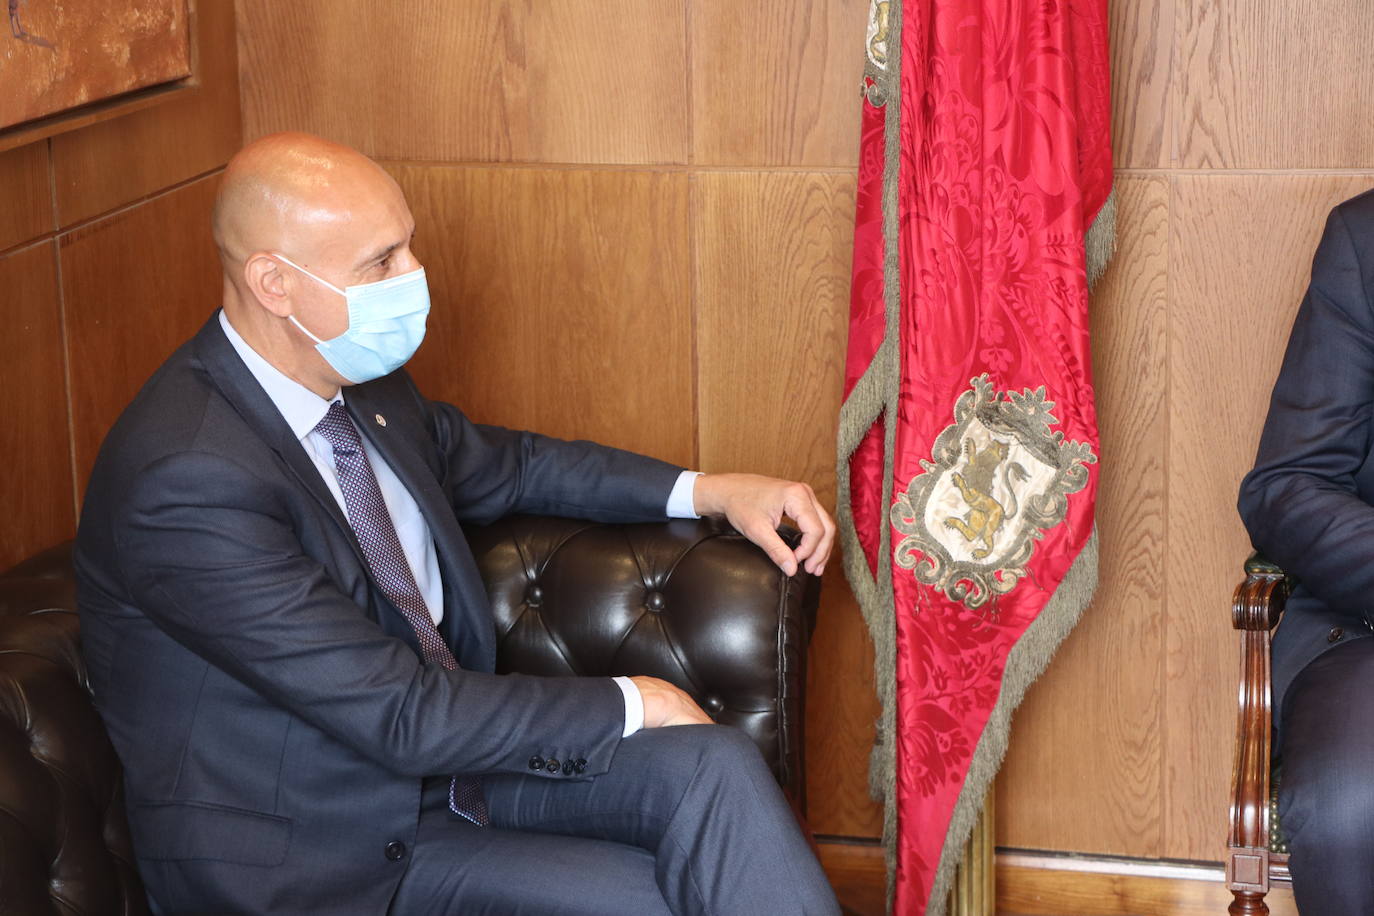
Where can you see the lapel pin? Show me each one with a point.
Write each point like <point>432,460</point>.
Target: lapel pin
<point>381,420</point>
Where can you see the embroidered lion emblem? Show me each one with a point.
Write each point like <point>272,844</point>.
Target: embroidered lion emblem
<point>985,514</point>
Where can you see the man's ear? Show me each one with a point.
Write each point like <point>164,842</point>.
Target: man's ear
<point>267,281</point>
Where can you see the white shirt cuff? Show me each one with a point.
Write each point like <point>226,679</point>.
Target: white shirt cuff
<point>634,706</point>
<point>680,503</point>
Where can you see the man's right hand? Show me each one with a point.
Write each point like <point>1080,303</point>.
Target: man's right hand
<point>665,704</point>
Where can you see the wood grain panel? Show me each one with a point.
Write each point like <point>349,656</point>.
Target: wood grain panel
<point>1275,85</point>
<point>841,716</point>
<point>25,195</point>
<point>1141,43</point>
<point>114,162</point>
<point>1089,730</point>
<point>773,257</point>
<point>35,446</point>
<point>858,875</point>
<point>560,301</point>
<point>777,82</point>
<point>482,80</point>
<point>1240,257</point>
<point>135,286</point>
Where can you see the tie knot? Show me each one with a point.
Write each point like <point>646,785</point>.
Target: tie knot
<point>338,429</point>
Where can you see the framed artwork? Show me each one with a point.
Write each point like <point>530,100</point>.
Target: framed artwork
<point>63,57</point>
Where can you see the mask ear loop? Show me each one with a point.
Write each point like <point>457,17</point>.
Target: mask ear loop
<point>292,319</point>
<point>322,282</point>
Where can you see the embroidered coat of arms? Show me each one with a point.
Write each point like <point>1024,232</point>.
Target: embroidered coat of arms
<point>998,478</point>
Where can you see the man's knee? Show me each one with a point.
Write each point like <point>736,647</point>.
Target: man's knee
<point>727,750</point>
<point>1329,814</point>
<point>708,756</point>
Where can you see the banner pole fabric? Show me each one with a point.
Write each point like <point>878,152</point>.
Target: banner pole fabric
<point>968,443</point>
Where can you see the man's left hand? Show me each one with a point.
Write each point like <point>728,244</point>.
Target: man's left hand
<point>755,505</point>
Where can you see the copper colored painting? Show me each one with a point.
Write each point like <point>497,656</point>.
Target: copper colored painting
<point>61,54</point>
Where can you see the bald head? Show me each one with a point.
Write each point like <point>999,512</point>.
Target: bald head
<point>294,210</point>
<point>285,190</point>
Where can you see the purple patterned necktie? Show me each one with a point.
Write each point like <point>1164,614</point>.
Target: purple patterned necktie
<point>371,522</point>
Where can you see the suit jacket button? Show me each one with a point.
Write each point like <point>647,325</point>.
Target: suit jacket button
<point>581,765</point>
<point>568,766</point>
<point>536,762</point>
<point>553,765</point>
<point>1335,634</point>
<point>395,850</point>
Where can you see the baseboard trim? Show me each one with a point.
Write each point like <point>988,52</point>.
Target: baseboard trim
<point>1111,865</point>
<point>1037,883</point>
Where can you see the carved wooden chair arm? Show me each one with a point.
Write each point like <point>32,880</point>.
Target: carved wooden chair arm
<point>1255,611</point>
<point>1260,599</point>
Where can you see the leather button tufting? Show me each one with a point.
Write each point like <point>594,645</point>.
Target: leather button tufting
<point>553,765</point>
<point>654,601</point>
<point>535,596</point>
<point>536,762</point>
<point>713,705</point>
<point>395,850</point>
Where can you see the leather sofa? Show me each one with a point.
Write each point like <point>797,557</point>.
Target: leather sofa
<point>689,601</point>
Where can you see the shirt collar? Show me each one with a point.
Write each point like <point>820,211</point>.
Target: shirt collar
<point>302,408</point>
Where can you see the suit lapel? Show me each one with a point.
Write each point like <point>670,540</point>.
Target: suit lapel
<point>246,396</point>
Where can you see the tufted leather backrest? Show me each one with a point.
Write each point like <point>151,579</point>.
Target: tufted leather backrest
<point>687,601</point>
<point>64,840</point>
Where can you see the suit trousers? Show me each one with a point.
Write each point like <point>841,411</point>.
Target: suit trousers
<point>687,820</point>
<point>1326,785</point>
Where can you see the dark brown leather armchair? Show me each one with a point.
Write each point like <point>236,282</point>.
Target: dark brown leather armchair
<point>689,601</point>
<point>1256,855</point>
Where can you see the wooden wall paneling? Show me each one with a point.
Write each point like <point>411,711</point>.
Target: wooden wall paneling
<point>599,81</point>
<point>777,82</point>
<point>1240,257</point>
<point>560,301</point>
<point>841,715</point>
<point>135,286</point>
<point>1141,44</point>
<point>25,195</point>
<point>35,443</point>
<point>773,254</point>
<point>1030,885</point>
<point>859,876</point>
<point>1275,85</point>
<point>114,162</point>
<point>1082,772</point>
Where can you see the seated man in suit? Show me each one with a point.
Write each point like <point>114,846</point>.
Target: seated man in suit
<point>289,642</point>
<point>1309,506</point>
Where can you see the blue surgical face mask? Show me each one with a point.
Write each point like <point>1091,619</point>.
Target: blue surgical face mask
<point>386,322</point>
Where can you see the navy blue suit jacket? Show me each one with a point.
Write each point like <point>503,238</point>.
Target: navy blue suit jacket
<point>1309,502</point>
<point>268,702</point>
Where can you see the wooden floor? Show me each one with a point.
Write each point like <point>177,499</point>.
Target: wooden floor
<point>1032,884</point>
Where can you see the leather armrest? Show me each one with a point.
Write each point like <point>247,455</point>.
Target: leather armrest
<point>689,601</point>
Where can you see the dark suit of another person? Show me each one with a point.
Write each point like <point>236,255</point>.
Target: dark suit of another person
<point>285,749</point>
<point>1309,506</point>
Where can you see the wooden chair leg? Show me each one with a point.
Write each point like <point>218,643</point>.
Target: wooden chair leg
<point>1247,877</point>
<point>1248,903</point>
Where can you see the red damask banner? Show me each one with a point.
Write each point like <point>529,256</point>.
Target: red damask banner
<point>968,441</point>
